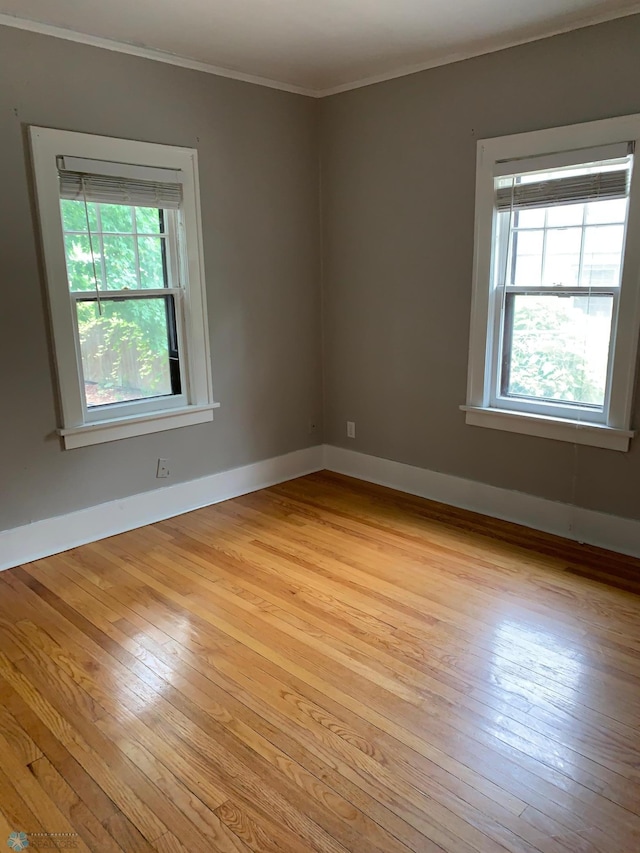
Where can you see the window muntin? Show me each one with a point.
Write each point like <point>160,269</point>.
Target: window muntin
<point>556,279</point>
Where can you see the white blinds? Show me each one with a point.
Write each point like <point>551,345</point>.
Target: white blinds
<point>119,183</point>
<point>598,186</point>
<point>111,189</point>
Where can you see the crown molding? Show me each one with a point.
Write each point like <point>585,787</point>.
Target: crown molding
<point>205,67</point>
<point>149,53</point>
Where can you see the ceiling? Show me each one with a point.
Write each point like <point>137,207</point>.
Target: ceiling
<point>315,46</point>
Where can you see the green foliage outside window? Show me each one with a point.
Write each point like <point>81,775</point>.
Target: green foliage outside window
<point>125,347</point>
<point>559,349</point>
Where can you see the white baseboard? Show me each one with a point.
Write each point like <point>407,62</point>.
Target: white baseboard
<point>53,535</point>
<point>572,522</point>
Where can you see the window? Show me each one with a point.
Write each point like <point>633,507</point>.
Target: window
<point>120,225</point>
<point>555,313</point>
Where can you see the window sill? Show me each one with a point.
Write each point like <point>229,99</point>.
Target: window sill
<point>576,432</point>
<point>101,431</point>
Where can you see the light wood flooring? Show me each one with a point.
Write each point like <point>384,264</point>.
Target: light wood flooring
<point>322,666</point>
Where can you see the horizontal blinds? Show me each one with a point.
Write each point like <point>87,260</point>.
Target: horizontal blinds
<point>598,186</point>
<point>110,189</point>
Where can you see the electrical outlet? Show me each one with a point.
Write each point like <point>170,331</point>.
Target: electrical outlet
<point>313,427</point>
<point>163,468</point>
<point>351,429</point>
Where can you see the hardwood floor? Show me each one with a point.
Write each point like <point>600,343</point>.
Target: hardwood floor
<point>323,666</point>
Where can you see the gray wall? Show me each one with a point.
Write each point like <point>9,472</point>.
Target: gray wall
<point>398,171</point>
<point>259,186</point>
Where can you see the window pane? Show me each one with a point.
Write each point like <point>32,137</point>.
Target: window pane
<point>125,350</point>
<point>528,242</point>
<point>601,270</point>
<point>562,257</point>
<point>120,262</point>
<point>116,217</point>
<point>527,250</point>
<point>607,211</point>
<point>130,262</point>
<point>529,218</point>
<point>151,266</point>
<point>148,220</point>
<point>74,217</point>
<point>79,266</point>
<point>565,214</point>
<point>559,347</point>
<point>602,255</point>
<point>604,239</point>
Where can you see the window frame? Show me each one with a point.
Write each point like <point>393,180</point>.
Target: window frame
<point>80,427</point>
<point>610,429</point>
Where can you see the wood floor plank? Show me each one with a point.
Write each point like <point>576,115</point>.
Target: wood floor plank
<point>25,749</point>
<point>70,770</point>
<point>87,826</point>
<point>628,758</point>
<point>249,633</point>
<point>326,527</point>
<point>72,670</point>
<point>293,548</point>
<point>35,797</point>
<point>324,666</point>
<point>599,745</point>
<point>69,671</point>
<point>37,692</point>
<point>16,814</point>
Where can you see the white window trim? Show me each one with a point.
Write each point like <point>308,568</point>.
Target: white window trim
<point>615,433</point>
<point>196,403</point>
